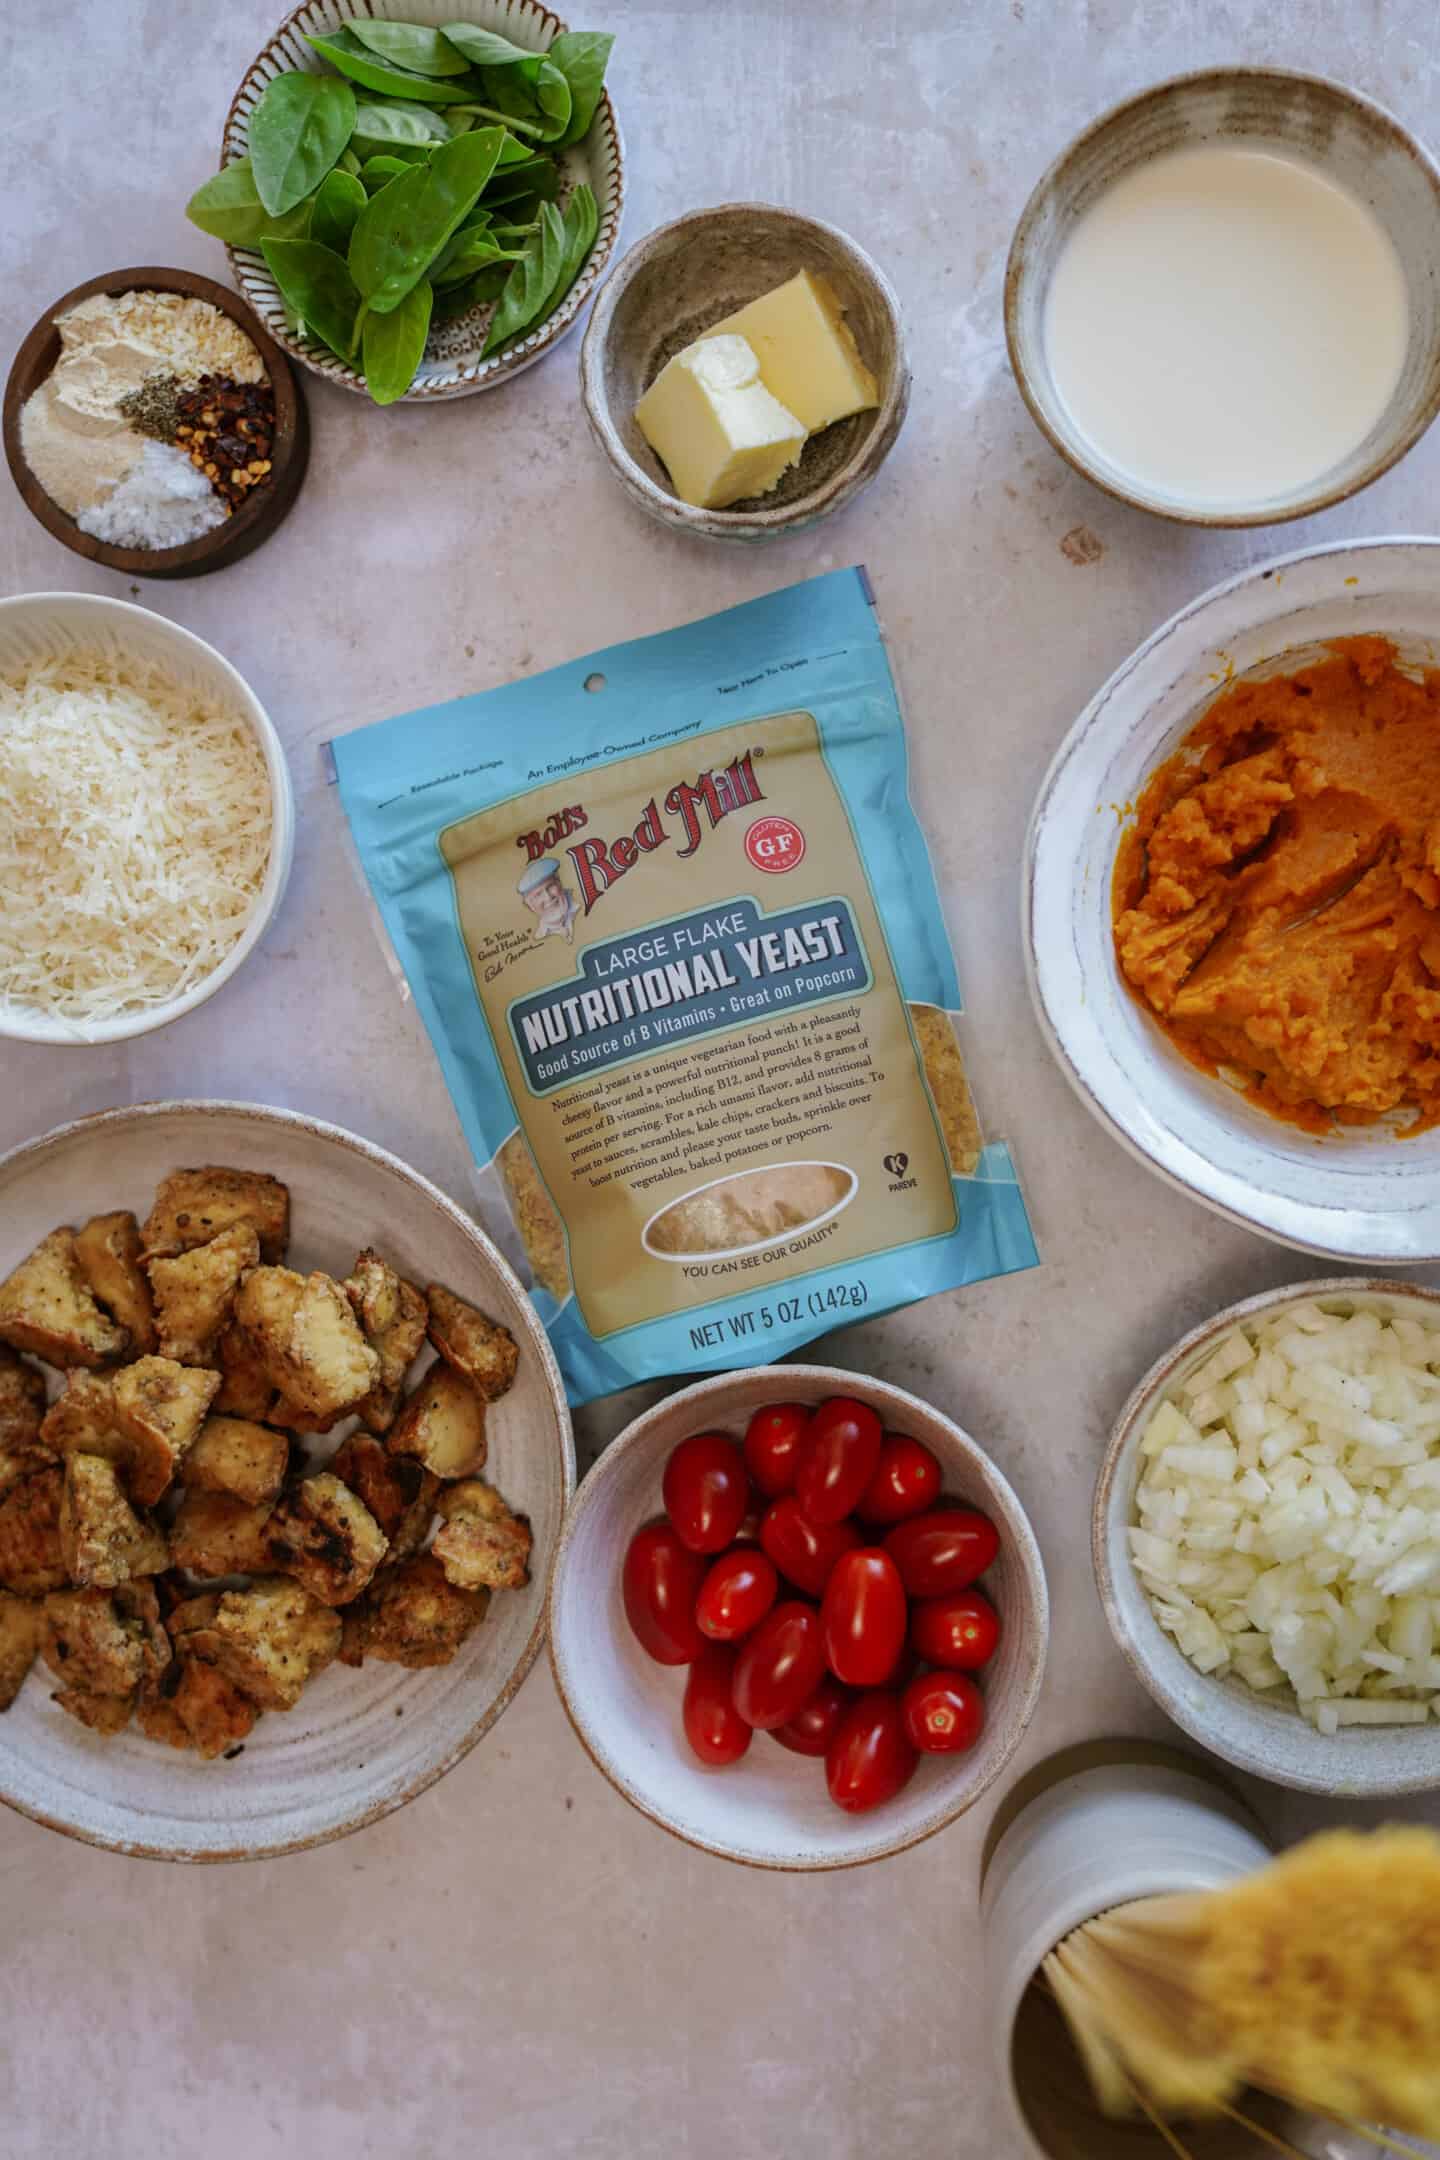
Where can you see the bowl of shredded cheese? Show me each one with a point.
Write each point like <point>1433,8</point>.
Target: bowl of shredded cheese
<point>146,819</point>
<point>1267,1535</point>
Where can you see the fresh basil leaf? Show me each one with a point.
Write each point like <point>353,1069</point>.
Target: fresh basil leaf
<point>315,283</point>
<point>407,45</point>
<point>395,127</point>
<point>394,345</point>
<point>378,172</point>
<point>582,57</point>
<point>344,51</point>
<point>230,208</point>
<point>404,227</point>
<point>297,131</point>
<point>582,223</point>
<point>537,177</point>
<point>530,283</point>
<point>348,161</point>
<point>456,300</point>
<point>552,96</point>
<point>337,203</point>
<point>484,48</point>
<point>476,251</point>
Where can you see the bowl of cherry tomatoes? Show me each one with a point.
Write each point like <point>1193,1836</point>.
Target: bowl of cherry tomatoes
<point>798,1617</point>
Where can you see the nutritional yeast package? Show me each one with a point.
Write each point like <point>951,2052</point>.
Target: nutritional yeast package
<point>672,927</point>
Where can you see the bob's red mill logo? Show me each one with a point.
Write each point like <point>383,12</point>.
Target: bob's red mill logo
<point>692,807</point>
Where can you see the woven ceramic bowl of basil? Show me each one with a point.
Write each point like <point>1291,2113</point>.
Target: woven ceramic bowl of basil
<point>454,364</point>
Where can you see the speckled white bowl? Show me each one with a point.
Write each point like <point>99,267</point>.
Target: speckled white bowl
<point>1264,1734</point>
<point>1357,1194</point>
<point>454,364</point>
<point>771,1809</point>
<point>359,1744</point>
<point>37,626</point>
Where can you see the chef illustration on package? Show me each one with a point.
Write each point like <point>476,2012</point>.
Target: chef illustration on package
<point>549,900</point>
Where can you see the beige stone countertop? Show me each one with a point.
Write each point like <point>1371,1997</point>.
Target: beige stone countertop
<point>518,1964</point>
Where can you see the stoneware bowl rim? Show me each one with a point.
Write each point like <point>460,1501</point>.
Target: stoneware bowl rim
<point>831,493</point>
<point>460,377</point>
<point>282,826</point>
<point>1214,1148</point>
<point>536,1346</point>
<point>264,510</point>
<point>1270,1739</point>
<point>991,1490</point>
<point>1020,268</point>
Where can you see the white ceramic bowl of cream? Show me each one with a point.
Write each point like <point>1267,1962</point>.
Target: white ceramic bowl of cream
<point>1379,236</point>
<point>34,626</point>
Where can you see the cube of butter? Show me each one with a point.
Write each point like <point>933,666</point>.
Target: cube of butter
<point>807,353</point>
<point>718,429</point>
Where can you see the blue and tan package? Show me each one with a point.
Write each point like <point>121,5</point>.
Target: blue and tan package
<point>676,941</point>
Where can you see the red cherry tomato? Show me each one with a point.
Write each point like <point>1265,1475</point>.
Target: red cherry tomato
<point>944,1550</point>
<point>713,1726</point>
<point>706,1491</point>
<point>804,1551</point>
<point>772,1446</point>
<point>959,1631</point>
<point>660,1582</point>
<point>812,1728</point>
<point>906,1481</point>
<point>749,1530</point>
<point>779,1667</point>
<point>737,1593</point>
<point>870,1756</point>
<point>944,1712</point>
<point>863,1617</point>
<point>842,1447</point>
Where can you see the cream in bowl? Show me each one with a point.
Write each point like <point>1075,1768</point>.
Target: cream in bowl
<point>145,819</point>
<point>1219,303</point>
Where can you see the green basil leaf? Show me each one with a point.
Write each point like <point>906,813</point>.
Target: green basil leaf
<point>347,161</point>
<point>458,300</point>
<point>338,202</point>
<point>476,251</point>
<point>484,48</point>
<point>230,208</point>
<point>537,177</point>
<point>297,131</point>
<point>530,283</point>
<point>394,345</point>
<point>582,57</point>
<point>345,52</point>
<point>315,283</point>
<point>404,227</point>
<point>378,172</point>
<point>582,224</point>
<point>407,45</point>
<point>395,127</point>
<point>552,96</point>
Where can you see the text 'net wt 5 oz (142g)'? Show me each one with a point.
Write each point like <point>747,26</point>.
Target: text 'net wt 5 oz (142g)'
<point>679,950</point>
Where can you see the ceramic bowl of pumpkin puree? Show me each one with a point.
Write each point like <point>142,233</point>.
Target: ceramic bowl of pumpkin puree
<point>1232,900</point>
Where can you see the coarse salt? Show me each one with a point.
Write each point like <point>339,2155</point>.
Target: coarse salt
<point>162,502</point>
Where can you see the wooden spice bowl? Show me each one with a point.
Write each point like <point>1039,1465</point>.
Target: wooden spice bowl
<point>263,510</point>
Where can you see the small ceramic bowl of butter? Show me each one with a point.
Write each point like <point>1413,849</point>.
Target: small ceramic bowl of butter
<point>744,372</point>
<point>1221,301</point>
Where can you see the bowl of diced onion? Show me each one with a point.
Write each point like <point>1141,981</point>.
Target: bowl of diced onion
<point>147,823</point>
<point>1267,1535</point>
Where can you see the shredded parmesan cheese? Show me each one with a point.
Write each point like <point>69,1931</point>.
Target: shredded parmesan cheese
<point>134,835</point>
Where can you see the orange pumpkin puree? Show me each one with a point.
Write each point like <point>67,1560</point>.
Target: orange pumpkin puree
<point>1277,895</point>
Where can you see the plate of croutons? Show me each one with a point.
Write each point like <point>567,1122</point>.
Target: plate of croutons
<point>284,1455</point>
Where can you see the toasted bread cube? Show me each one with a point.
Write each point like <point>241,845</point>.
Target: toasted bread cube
<point>31,1559</point>
<point>108,1251</point>
<point>89,1645</point>
<point>103,1540</point>
<point>310,1341</point>
<point>211,1709</point>
<point>192,1614</point>
<point>104,1714</point>
<point>22,1401</point>
<point>394,1316</point>
<point>482,1546</point>
<point>193,1206</point>
<point>46,1306</point>
<point>246,1389</point>
<point>81,1420</point>
<point>158,1720</point>
<point>290,1419</point>
<point>22,1630</point>
<point>160,1406</point>
<point>354,1631</point>
<point>484,1351</point>
<point>417,1618</point>
<point>399,1491</point>
<point>215,1534</point>
<point>443,1422</point>
<point>324,1535</point>
<point>195,1293</point>
<point>234,1456</point>
<point>270,1639</point>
